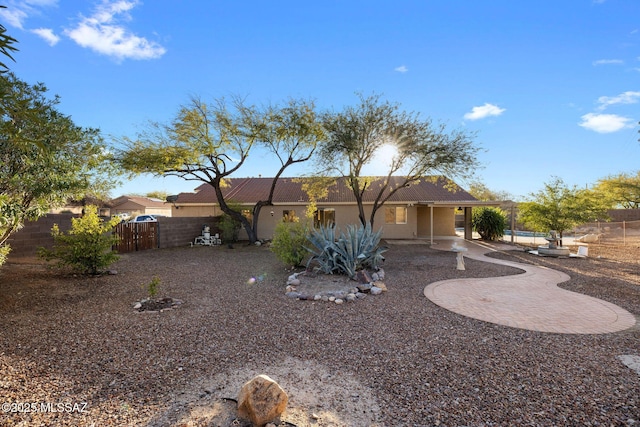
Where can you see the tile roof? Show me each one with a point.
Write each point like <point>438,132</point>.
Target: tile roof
<point>289,191</point>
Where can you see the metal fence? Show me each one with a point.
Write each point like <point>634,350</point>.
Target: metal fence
<point>614,233</point>
<point>611,233</point>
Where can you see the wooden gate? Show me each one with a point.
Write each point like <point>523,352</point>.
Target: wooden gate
<point>137,236</point>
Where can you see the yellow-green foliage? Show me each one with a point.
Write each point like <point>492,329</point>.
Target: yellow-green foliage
<point>288,242</point>
<point>4,252</point>
<point>87,247</point>
<point>153,287</point>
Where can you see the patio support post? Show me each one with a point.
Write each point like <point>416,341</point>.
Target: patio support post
<point>468,231</point>
<point>431,223</point>
<point>513,223</point>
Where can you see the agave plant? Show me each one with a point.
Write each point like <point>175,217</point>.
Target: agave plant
<point>354,250</point>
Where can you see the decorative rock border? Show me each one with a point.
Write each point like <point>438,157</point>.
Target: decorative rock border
<point>367,284</point>
<point>149,305</point>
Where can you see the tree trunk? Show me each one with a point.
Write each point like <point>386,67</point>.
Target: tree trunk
<point>234,214</point>
<point>256,215</point>
<point>361,215</point>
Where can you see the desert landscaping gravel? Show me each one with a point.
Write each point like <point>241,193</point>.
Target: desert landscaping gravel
<point>75,347</point>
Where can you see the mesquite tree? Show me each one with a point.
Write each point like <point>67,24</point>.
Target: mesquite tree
<point>209,142</point>
<point>357,134</point>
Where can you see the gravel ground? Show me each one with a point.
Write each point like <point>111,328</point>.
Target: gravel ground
<point>390,360</point>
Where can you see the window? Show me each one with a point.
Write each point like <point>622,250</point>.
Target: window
<point>289,215</point>
<point>325,217</point>
<point>397,215</point>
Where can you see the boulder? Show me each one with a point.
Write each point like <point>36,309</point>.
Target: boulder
<point>365,287</point>
<point>261,400</point>
<point>380,285</point>
<point>363,276</point>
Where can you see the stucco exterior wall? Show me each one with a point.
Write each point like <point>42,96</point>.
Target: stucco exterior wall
<point>195,210</point>
<point>443,220</point>
<point>134,209</point>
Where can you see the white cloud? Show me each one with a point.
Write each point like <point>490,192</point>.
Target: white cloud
<point>14,16</point>
<point>608,62</point>
<point>484,111</point>
<point>103,33</point>
<point>605,123</point>
<point>401,69</point>
<point>48,35</point>
<point>18,11</point>
<point>628,97</point>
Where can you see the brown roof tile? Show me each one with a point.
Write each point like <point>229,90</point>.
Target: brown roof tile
<point>289,190</point>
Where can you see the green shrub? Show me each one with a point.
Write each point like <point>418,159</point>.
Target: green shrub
<point>229,226</point>
<point>86,248</point>
<point>489,222</point>
<point>356,249</point>
<point>288,242</point>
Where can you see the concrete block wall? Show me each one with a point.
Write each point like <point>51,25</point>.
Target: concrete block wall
<point>619,215</point>
<point>174,232</point>
<point>180,231</point>
<point>25,243</point>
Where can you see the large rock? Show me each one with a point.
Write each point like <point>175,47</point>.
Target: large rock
<point>261,400</point>
<point>363,276</point>
<point>380,285</point>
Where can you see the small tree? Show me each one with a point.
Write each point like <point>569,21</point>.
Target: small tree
<point>87,247</point>
<point>560,208</point>
<point>489,222</point>
<point>45,158</point>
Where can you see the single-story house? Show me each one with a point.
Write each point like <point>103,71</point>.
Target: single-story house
<point>138,205</point>
<point>423,209</point>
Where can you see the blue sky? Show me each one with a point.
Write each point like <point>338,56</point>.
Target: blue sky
<point>551,87</point>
